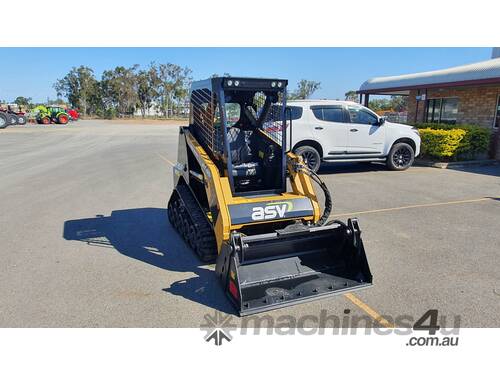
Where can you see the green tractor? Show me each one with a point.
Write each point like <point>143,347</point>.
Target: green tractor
<point>51,114</point>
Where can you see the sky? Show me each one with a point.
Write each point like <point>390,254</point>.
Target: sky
<point>31,72</point>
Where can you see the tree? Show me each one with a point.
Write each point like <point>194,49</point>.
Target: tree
<point>165,72</point>
<point>215,75</point>
<point>380,105</point>
<point>399,103</point>
<point>305,89</point>
<point>351,95</point>
<point>119,89</point>
<point>79,86</point>
<point>147,88</point>
<point>396,103</point>
<point>181,89</point>
<point>58,101</point>
<point>21,101</point>
<point>173,86</point>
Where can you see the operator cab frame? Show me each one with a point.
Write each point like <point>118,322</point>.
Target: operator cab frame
<point>241,123</point>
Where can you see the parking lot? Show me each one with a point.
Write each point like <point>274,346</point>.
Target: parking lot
<point>432,236</point>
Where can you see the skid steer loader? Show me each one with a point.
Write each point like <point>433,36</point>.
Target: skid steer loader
<point>272,245</point>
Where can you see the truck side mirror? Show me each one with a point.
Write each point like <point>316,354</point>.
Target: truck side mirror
<point>381,121</point>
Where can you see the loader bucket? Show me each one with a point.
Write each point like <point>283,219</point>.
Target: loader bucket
<point>295,265</point>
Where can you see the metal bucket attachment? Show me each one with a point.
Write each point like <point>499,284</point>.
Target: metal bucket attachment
<point>294,265</point>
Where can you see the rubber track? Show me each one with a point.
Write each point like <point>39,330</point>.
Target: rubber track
<point>189,220</point>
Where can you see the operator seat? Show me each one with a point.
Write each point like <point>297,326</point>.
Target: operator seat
<point>244,164</point>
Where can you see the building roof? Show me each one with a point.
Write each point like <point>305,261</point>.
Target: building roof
<point>477,73</point>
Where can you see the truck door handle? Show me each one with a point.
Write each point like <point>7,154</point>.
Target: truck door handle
<point>354,130</point>
<point>318,128</point>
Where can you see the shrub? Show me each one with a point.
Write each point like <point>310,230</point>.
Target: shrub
<point>475,141</point>
<point>110,113</point>
<point>441,143</point>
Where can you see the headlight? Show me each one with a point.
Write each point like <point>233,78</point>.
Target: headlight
<point>236,83</point>
<point>273,84</point>
<point>280,84</point>
<point>229,83</point>
<point>415,130</point>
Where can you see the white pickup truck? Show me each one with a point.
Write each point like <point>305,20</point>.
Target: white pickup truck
<point>343,131</point>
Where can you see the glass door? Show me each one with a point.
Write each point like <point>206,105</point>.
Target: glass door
<point>497,114</point>
<point>433,110</point>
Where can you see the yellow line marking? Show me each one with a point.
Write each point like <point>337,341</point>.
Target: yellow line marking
<point>367,309</point>
<point>414,206</point>
<point>165,159</point>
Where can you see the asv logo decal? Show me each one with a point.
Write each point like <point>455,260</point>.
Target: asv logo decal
<point>271,211</point>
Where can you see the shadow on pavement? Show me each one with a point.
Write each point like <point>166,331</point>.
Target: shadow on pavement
<point>489,170</point>
<point>145,234</point>
<point>358,167</point>
<point>338,168</point>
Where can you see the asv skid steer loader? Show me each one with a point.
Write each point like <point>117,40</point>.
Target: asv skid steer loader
<point>272,247</point>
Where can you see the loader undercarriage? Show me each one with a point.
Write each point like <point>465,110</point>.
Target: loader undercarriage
<point>187,217</point>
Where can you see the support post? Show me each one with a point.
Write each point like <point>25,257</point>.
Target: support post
<point>367,99</point>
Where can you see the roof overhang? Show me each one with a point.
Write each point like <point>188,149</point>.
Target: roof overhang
<point>405,90</point>
<point>389,91</point>
<point>481,73</point>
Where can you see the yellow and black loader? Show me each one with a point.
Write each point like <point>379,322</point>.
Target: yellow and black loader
<point>245,201</point>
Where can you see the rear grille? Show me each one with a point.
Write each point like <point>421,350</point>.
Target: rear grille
<point>203,107</point>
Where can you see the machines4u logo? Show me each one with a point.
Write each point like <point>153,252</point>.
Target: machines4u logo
<point>218,327</point>
<point>272,210</point>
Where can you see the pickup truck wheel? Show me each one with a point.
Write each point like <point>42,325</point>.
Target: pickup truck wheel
<point>310,156</point>
<point>400,157</point>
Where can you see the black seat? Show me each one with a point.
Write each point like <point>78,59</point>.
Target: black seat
<point>244,163</point>
<point>247,169</point>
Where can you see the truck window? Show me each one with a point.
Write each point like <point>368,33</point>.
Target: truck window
<point>295,111</point>
<point>361,116</point>
<point>328,113</point>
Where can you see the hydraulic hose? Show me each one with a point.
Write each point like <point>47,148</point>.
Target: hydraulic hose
<point>328,198</point>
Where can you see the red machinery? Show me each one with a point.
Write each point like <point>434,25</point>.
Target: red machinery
<point>73,114</point>
<point>12,115</point>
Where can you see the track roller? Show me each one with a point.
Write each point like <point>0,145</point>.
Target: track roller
<point>189,220</point>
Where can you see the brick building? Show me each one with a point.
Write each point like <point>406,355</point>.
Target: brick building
<point>467,94</point>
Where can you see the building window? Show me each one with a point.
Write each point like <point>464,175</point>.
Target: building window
<point>442,110</point>
<point>497,114</point>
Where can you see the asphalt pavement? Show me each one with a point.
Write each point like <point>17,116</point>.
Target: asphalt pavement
<point>432,236</point>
